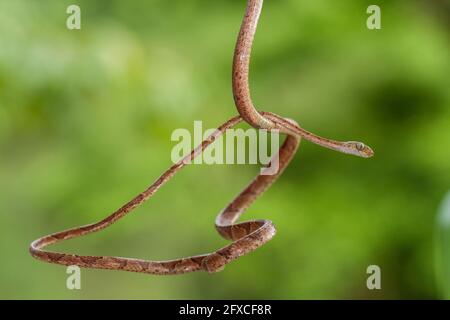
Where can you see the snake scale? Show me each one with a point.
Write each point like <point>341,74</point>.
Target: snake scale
<point>245,236</point>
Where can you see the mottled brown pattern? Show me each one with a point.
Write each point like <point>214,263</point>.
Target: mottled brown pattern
<point>246,236</point>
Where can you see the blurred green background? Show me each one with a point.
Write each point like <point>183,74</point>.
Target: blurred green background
<point>86,118</point>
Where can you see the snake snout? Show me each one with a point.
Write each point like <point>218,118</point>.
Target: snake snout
<point>365,151</point>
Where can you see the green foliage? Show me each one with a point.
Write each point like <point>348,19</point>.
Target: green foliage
<point>86,118</point>
<point>443,247</point>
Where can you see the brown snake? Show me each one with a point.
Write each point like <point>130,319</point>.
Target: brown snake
<point>246,236</point>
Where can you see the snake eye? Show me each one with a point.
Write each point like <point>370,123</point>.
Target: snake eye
<point>360,146</point>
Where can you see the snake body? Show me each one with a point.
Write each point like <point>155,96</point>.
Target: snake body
<point>245,236</point>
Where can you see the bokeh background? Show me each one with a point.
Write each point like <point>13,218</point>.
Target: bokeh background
<point>86,119</point>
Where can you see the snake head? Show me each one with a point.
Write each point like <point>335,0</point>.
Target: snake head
<point>358,149</point>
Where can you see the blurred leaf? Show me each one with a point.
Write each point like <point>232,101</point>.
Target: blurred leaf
<point>443,247</point>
